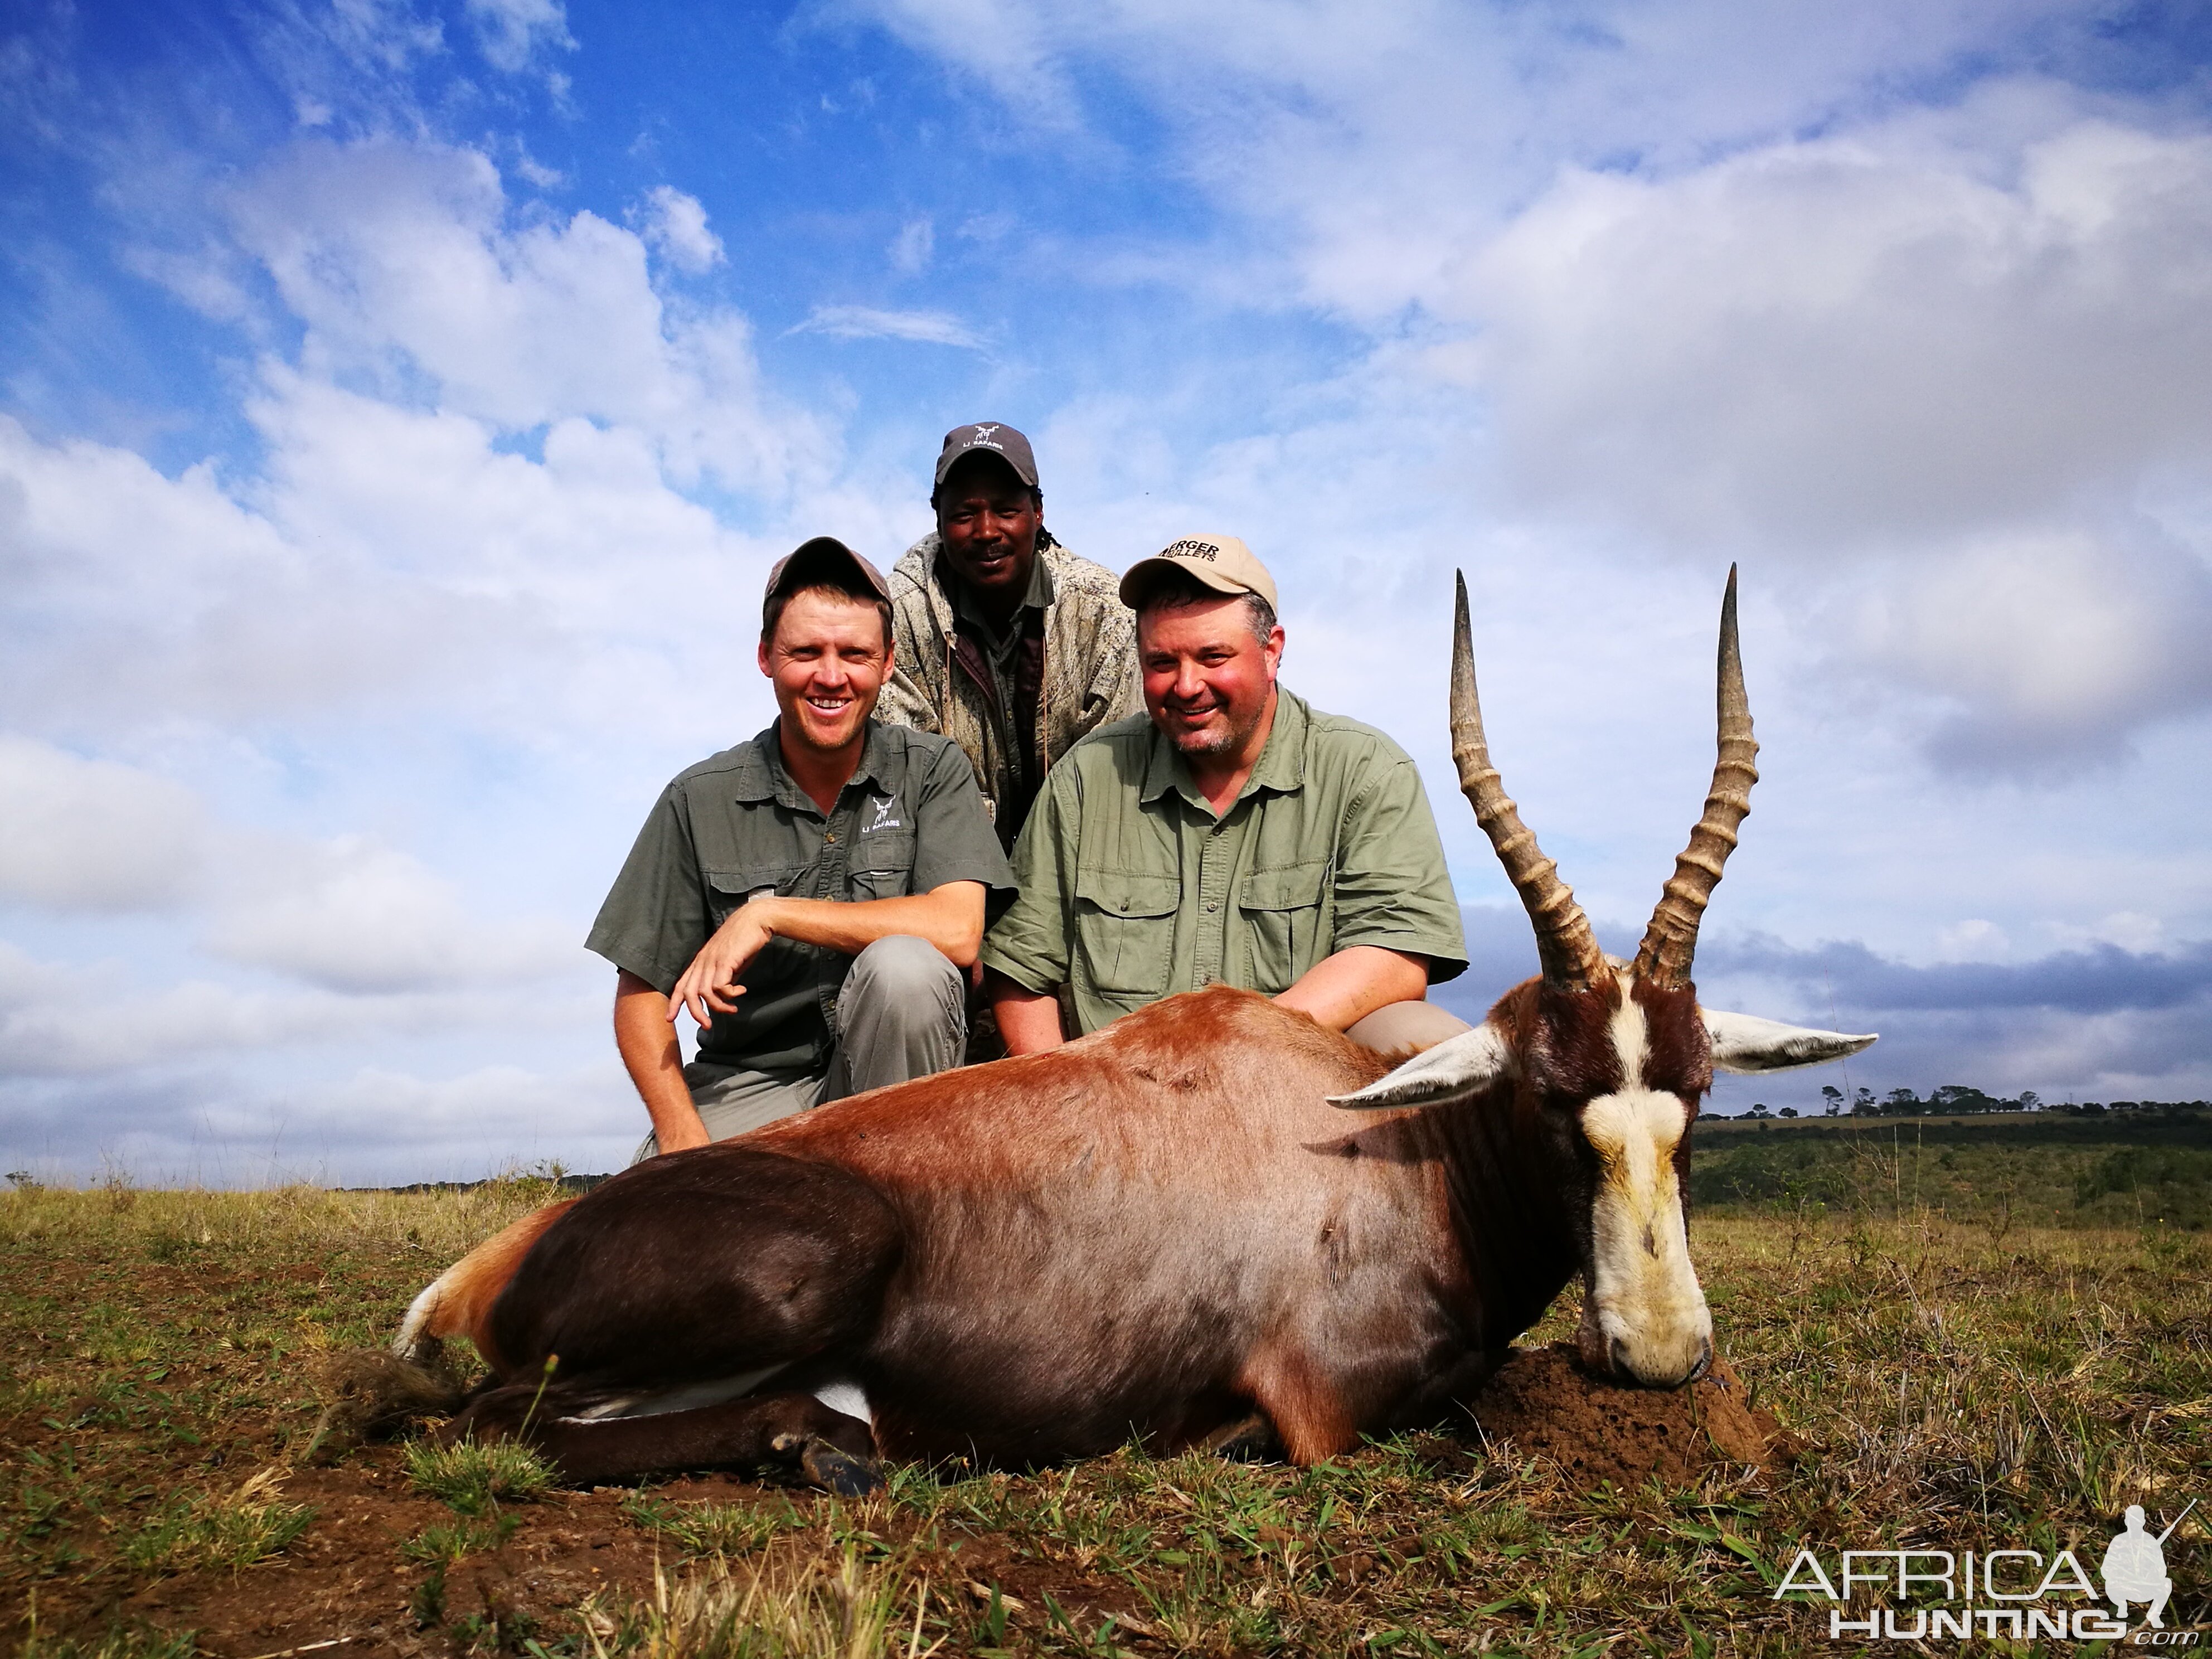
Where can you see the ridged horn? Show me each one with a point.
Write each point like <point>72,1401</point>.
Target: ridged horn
<point>1671,941</point>
<point>1565,945</point>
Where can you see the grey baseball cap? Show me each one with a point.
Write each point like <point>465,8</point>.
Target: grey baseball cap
<point>812,559</point>
<point>993,438</point>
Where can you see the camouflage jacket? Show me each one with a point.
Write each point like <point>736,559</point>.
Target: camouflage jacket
<point>1090,667</point>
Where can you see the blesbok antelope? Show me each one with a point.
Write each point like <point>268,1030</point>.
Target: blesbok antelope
<point>1169,1228</point>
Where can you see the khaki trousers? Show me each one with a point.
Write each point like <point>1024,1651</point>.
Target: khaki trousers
<point>902,1013</point>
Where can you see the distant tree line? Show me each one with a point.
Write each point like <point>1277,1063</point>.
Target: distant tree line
<point>1954,1099</point>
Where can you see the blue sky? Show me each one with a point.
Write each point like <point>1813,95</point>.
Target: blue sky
<point>401,405</point>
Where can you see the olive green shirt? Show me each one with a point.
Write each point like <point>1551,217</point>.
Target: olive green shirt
<point>1131,889</point>
<point>910,819</point>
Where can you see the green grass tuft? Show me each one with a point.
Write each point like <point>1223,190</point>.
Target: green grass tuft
<point>218,1530</point>
<point>453,1541</point>
<point>711,1528</point>
<point>472,1479</point>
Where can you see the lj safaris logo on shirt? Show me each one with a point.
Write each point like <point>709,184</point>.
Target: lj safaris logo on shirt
<point>2019,1593</point>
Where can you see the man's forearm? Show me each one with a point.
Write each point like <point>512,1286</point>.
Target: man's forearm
<point>1029,1021</point>
<point>646,1041</point>
<point>1342,989</point>
<point>950,917</point>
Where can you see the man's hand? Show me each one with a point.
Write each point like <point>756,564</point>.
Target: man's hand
<point>711,982</point>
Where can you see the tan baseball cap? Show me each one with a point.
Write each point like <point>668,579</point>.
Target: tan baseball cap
<point>1221,562</point>
<point>823,556</point>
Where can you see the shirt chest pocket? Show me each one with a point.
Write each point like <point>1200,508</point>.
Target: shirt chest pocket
<point>1125,927</point>
<point>882,866</point>
<point>1287,920</point>
<point>729,887</point>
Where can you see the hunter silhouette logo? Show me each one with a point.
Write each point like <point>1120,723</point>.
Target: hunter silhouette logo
<point>2135,1566</point>
<point>1924,1594</point>
<point>983,433</point>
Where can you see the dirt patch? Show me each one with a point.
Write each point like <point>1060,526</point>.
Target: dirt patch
<point>350,1578</point>
<point>347,1577</point>
<point>1544,1402</point>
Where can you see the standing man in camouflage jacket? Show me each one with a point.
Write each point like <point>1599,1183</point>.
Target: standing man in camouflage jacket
<point>1007,642</point>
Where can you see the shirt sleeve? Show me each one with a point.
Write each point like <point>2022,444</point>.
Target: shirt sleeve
<point>953,840</point>
<point>1030,943</point>
<point>655,918</point>
<point>1392,887</point>
<point>1116,688</point>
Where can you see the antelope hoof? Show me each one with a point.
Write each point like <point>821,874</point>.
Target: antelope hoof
<point>840,1473</point>
<point>1253,1440</point>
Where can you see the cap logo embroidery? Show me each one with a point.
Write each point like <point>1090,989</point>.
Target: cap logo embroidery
<point>1189,549</point>
<point>983,432</point>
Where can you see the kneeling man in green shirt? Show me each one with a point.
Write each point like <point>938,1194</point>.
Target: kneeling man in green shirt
<point>813,896</point>
<point>1233,832</point>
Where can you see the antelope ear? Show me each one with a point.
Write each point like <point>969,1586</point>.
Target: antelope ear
<point>1745,1042</point>
<point>1455,1069</point>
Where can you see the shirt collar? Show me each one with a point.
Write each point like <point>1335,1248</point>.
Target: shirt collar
<point>1039,597</point>
<point>1281,766</point>
<point>760,775</point>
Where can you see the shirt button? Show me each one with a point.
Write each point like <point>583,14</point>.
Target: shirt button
<point>831,837</point>
<point>1211,905</point>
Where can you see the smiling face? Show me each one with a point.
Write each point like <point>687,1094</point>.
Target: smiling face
<point>988,520</point>
<point>1209,681</point>
<point>827,660</point>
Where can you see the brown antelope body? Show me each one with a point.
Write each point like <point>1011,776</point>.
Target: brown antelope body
<point>1212,1220</point>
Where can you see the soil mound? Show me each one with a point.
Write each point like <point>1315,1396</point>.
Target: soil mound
<point>1545,1404</point>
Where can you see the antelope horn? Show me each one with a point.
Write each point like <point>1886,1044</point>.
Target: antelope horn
<point>1671,940</point>
<point>1565,945</point>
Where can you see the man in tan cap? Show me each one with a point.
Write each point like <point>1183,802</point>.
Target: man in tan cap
<point>1008,643</point>
<point>1230,833</point>
<point>813,896</point>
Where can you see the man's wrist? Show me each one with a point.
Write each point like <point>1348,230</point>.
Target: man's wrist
<point>765,913</point>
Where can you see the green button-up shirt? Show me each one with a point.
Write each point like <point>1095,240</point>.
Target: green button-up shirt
<point>1132,889</point>
<point>910,819</point>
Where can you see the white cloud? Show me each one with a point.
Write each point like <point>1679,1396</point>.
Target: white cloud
<point>91,1019</point>
<point>676,224</point>
<point>1837,342</point>
<point>912,249</point>
<point>866,323</point>
<point>2048,646</point>
<point>510,32</point>
<point>402,262</point>
<point>94,836</point>
<point>351,915</point>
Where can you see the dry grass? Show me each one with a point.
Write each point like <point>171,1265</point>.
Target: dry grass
<point>781,1608</point>
<point>1962,1384</point>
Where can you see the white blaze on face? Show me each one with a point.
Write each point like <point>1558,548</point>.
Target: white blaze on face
<point>1644,1316</point>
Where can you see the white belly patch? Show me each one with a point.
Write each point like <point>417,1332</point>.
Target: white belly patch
<point>848,1398</point>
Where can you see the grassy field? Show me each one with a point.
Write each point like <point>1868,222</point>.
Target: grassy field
<point>1964,1374</point>
<point>2124,1169</point>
